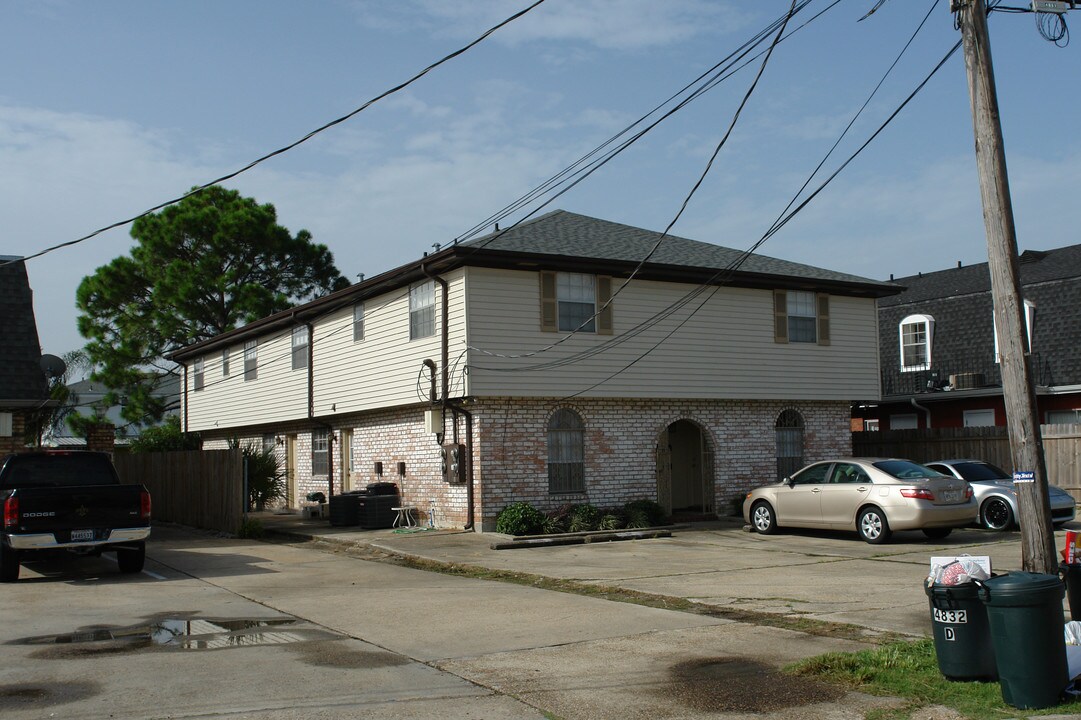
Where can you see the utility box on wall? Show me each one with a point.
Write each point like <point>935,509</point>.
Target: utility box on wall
<point>452,457</point>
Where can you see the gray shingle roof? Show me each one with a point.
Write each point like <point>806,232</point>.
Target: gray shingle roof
<point>21,378</point>
<point>1037,266</point>
<point>567,234</point>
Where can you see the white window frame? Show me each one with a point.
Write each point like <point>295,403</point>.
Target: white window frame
<point>576,302</point>
<point>225,362</point>
<point>301,339</point>
<point>358,322</point>
<point>198,375</point>
<point>422,310</point>
<point>1030,318</point>
<point>979,417</point>
<point>7,424</point>
<point>320,453</point>
<point>801,307</point>
<point>251,360</point>
<point>928,330</point>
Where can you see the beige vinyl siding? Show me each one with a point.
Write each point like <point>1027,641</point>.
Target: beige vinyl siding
<point>277,394</point>
<point>726,351</point>
<point>382,370</point>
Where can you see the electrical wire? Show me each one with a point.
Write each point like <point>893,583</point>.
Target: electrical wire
<point>720,76</point>
<point>570,171</point>
<point>728,270</point>
<point>776,227</point>
<point>290,146</point>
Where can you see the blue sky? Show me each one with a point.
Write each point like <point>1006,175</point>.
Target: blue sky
<point>114,106</point>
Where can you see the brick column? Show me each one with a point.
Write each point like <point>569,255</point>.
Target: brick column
<point>101,437</point>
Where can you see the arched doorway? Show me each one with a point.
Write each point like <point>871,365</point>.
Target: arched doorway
<point>684,470</point>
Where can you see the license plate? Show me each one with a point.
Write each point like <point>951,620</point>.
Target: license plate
<point>80,535</point>
<point>953,617</point>
<point>952,496</point>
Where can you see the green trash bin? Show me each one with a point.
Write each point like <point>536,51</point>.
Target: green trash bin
<point>1024,611</point>
<point>962,635</point>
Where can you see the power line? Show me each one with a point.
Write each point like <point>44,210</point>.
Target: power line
<point>290,146</point>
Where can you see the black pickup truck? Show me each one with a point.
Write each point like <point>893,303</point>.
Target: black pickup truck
<point>66,500</point>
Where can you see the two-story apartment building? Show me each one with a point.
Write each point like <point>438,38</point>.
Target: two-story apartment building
<point>940,354</point>
<point>572,372</point>
<point>23,386</point>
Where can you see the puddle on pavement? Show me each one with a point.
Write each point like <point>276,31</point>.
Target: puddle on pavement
<point>180,633</point>
<point>738,685</point>
<point>24,697</point>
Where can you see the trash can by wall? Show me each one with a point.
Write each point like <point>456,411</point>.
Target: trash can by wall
<point>345,509</point>
<point>961,632</point>
<point>1071,572</point>
<point>1024,611</point>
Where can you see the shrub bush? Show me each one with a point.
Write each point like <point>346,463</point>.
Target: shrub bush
<point>647,511</point>
<point>584,517</point>
<point>612,519</point>
<point>519,518</point>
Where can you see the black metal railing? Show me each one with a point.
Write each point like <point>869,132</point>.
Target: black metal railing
<point>952,374</point>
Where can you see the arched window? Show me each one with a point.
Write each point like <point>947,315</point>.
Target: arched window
<point>917,334</point>
<point>566,452</point>
<point>789,430</point>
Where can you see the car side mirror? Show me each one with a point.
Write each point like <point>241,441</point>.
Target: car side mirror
<point>789,482</point>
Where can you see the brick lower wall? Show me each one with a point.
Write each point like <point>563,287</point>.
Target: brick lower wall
<point>621,439</point>
<point>510,451</point>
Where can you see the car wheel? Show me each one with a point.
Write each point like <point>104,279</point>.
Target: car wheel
<point>873,527</point>
<point>996,514</point>
<point>937,533</point>
<point>9,564</point>
<point>762,518</point>
<point>131,561</point>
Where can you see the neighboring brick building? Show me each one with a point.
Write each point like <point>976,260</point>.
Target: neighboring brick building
<point>708,374</point>
<point>938,349</point>
<point>23,387</point>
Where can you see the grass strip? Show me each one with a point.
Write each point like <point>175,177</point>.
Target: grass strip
<point>909,669</point>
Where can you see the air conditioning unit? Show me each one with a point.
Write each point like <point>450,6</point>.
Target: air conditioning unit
<point>966,381</point>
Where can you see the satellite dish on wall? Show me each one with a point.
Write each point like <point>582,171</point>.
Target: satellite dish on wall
<point>53,366</point>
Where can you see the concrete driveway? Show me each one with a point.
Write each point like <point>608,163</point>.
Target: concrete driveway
<point>832,577</point>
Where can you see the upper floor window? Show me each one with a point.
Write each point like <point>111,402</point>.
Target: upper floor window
<point>576,302</point>
<point>300,347</point>
<point>917,332</point>
<point>566,452</point>
<point>251,360</point>
<point>199,374</point>
<point>801,316</point>
<point>1030,316</point>
<point>225,362</point>
<point>422,310</point>
<point>358,322</point>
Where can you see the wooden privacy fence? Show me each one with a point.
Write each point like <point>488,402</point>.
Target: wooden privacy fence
<point>1061,445</point>
<point>199,488</point>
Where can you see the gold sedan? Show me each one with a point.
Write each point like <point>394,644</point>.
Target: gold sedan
<point>874,496</point>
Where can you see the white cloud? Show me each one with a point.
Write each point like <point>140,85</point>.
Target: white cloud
<point>608,24</point>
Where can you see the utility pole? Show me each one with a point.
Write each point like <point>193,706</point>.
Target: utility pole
<point>1030,476</point>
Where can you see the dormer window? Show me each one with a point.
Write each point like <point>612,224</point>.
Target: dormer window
<point>917,334</point>
<point>1030,316</point>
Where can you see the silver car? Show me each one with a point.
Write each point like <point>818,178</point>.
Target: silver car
<point>996,496</point>
<point>873,496</point>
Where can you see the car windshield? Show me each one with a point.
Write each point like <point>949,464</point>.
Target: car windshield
<point>973,471</point>
<point>905,470</point>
